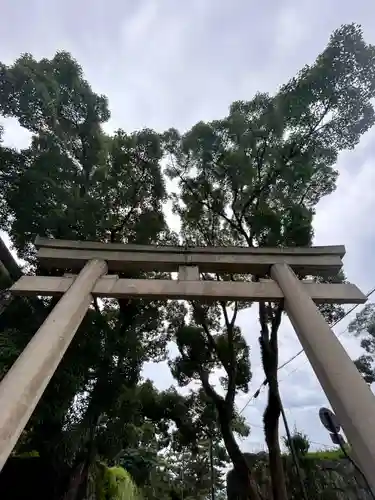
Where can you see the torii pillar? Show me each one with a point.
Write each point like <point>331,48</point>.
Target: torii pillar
<point>25,382</point>
<point>350,397</point>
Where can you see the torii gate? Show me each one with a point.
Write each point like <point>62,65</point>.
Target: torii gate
<point>349,395</point>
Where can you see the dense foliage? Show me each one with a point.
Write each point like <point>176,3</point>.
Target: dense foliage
<point>252,178</point>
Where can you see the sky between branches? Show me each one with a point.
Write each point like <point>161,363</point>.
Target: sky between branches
<point>165,63</point>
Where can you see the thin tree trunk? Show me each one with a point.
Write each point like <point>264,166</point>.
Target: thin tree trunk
<point>248,488</point>
<point>269,350</point>
<point>75,481</point>
<point>271,428</point>
<point>78,481</point>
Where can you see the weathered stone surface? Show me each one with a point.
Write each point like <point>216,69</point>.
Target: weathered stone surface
<point>119,257</point>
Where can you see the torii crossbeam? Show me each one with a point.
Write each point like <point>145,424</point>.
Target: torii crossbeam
<point>349,395</point>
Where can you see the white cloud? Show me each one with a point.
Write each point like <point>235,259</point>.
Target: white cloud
<point>14,135</point>
<point>291,30</point>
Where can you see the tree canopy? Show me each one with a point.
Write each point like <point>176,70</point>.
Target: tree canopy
<point>252,178</point>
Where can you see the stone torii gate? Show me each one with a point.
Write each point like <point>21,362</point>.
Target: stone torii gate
<point>349,395</point>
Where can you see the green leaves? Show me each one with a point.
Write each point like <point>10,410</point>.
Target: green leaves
<point>363,326</point>
<point>300,443</point>
<point>264,167</point>
<point>334,93</point>
<point>50,96</point>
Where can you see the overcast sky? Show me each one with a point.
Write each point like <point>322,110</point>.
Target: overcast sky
<point>166,63</point>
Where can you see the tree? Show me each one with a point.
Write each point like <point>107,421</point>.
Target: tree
<point>81,184</point>
<point>300,443</point>
<point>254,179</point>
<point>204,344</point>
<point>191,470</point>
<point>363,326</point>
<point>177,457</point>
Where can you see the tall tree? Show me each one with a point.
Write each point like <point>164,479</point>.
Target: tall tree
<point>175,453</point>
<point>254,178</point>
<point>192,471</point>
<point>206,344</point>
<point>75,182</point>
<point>363,326</point>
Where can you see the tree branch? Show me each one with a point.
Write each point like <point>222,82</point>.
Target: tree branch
<point>273,173</point>
<point>275,324</point>
<point>205,203</point>
<point>259,190</point>
<point>232,366</point>
<point>238,218</point>
<point>136,193</point>
<point>211,341</point>
<point>210,391</point>
<point>235,312</point>
<point>96,306</point>
<point>263,318</point>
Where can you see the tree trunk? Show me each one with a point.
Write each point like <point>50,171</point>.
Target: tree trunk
<point>76,480</point>
<point>5,299</point>
<point>269,350</point>
<point>247,488</point>
<point>271,429</point>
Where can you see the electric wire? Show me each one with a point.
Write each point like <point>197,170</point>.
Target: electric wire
<point>311,441</point>
<point>264,383</point>
<point>353,462</point>
<point>294,453</point>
